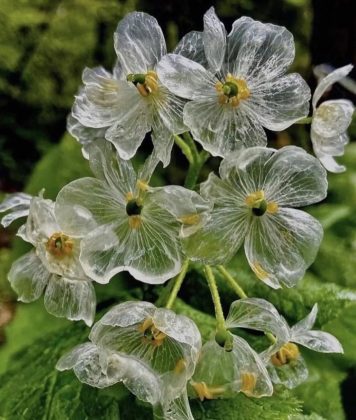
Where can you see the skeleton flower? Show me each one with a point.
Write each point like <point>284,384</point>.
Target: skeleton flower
<point>152,351</point>
<point>131,101</point>
<point>52,266</point>
<point>330,122</point>
<point>252,202</point>
<point>127,224</point>
<point>285,363</point>
<point>243,87</point>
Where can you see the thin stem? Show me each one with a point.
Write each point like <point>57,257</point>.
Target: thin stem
<point>216,299</point>
<point>233,283</point>
<point>306,120</point>
<point>190,141</point>
<point>184,148</point>
<point>194,170</point>
<point>177,285</point>
<point>271,337</point>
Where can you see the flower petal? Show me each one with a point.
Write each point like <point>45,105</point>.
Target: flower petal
<point>290,375</point>
<point>280,247</point>
<point>28,277</point>
<point>139,43</point>
<point>170,110</point>
<point>331,165</point>
<point>178,409</point>
<point>71,299</point>
<point>318,341</point>
<point>18,203</point>
<point>184,77</point>
<point>214,40</point>
<point>41,222</point>
<point>191,46</point>
<point>306,323</point>
<point>329,80</point>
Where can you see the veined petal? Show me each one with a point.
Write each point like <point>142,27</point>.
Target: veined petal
<point>279,103</point>
<point>162,140</point>
<point>257,314</point>
<point>71,299</point>
<point>178,409</point>
<point>280,247</point>
<point>320,341</point>
<point>18,203</point>
<point>139,43</point>
<point>184,77</point>
<point>41,222</point>
<point>191,46</point>
<point>291,374</point>
<point>332,118</point>
<point>170,109</point>
<point>214,40</point>
<point>28,277</point>
<point>306,323</point>
<point>223,233</point>
<point>329,80</point>
<point>259,51</point>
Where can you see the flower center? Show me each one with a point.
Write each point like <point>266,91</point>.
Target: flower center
<point>145,83</point>
<point>232,91</point>
<point>133,208</point>
<point>259,205</point>
<point>285,354</point>
<point>60,245</point>
<point>151,334</point>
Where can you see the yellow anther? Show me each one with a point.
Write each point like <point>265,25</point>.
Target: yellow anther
<point>285,354</point>
<point>129,196</point>
<point>142,89</point>
<point>151,334</point>
<point>272,207</point>
<point>180,366</point>
<point>259,271</point>
<point>255,198</point>
<point>236,91</point>
<point>190,219</point>
<point>135,221</point>
<point>259,205</point>
<point>248,383</point>
<point>207,392</point>
<point>142,185</point>
<point>60,245</point>
<point>151,81</point>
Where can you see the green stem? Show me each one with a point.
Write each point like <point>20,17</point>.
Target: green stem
<point>233,283</point>
<point>220,320</point>
<point>306,120</point>
<point>184,148</point>
<point>194,170</point>
<point>177,285</point>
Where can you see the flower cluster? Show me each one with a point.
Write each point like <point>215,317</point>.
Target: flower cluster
<point>224,89</point>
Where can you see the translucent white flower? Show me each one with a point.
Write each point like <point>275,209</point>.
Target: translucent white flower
<point>285,363</point>
<point>53,267</point>
<point>236,83</point>
<point>152,351</point>
<point>252,204</point>
<point>18,206</point>
<point>127,224</point>
<point>330,122</point>
<point>132,101</point>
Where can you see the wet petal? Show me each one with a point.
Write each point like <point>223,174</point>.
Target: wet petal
<point>329,80</point>
<point>28,277</point>
<point>170,110</point>
<point>71,299</point>
<point>318,341</point>
<point>257,314</point>
<point>185,77</point>
<point>307,322</point>
<point>18,204</point>
<point>139,43</point>
<point>191,46</point>
<point>290,375</point>
<point>280,247</point>
<point>214,40</point>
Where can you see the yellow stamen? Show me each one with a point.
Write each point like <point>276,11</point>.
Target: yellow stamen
<point>243,92</point>
<point>272,207</point>
<point>248,383</point>
<point>259,271</point>
<point>180,366</point>
<point>129,196</point>
<point>190,219</point>
<point>135,221</point>
<point>60,245</point>
<point>207,392</point>
<point>151,334</point>
<point>255,198</point>
<point>285,354</point>
<point>142,185</point>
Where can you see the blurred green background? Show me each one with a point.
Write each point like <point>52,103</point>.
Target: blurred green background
<point>44,46</point>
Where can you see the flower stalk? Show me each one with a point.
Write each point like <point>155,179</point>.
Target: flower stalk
<point>177,285</point>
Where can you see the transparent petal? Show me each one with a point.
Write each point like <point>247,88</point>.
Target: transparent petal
<point>178,409</point>
<point>223,233</point>
<point>191,46</point>
<point>187,206</point>
<point>306,323</point>
<point>146,170</point>
<point>28,277</point>
<point>280,247</point>
<point>331,165</point>
<point>257,314</point>
<point>258,51</point>
<point>329,80</point>
<point>162,139</point>
<point>71,299</point>
<point>18,204</point>
<point>332,118</point>
<point>97,103</point>
<point>214,40</point>
<point>318,341</point>
<point>184,77</point>
<point>170,110</point>
<point>279,103</point>
<point>139,43</point>
<point>290,375</point>
<point>41,221</point>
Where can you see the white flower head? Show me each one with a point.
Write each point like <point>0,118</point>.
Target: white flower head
<point>152,351</point>
<point>330,122</point>
<point>285,363</point>
<point>236,83</point>
<point>53,267</point>
<point>127,224</point>
<point>130,102</point>
<point>253,200</point>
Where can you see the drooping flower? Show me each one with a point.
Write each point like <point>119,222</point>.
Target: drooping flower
<point>131,101</point>
<point>252,204</point>
<point>53,267</point>
<point>127,224</point>
<point>152,351</point>
<point>285,363</point>
<point>236,84</point>
<point>330,122</point>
